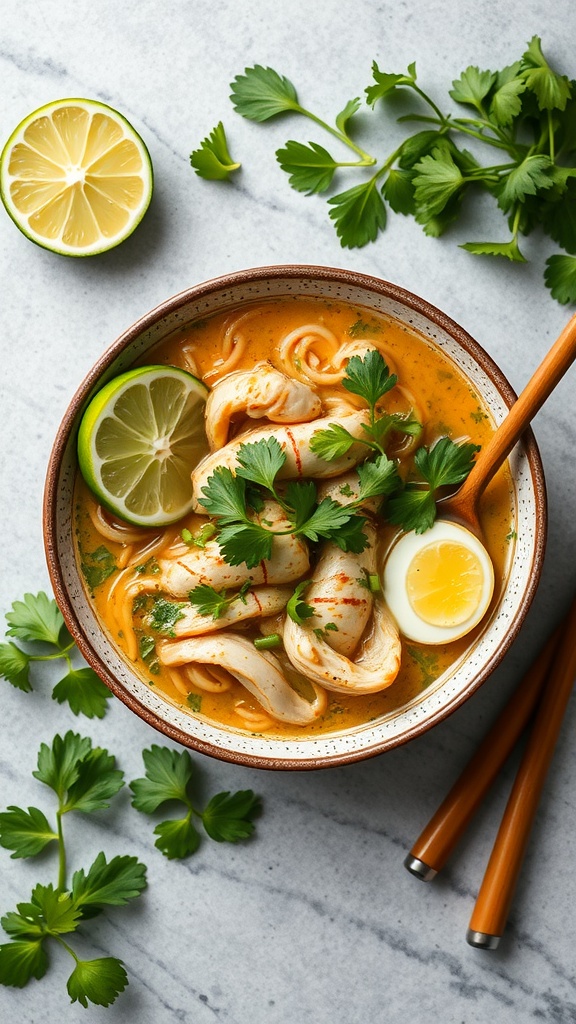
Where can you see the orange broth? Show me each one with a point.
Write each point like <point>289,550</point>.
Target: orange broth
<point>450,406</point>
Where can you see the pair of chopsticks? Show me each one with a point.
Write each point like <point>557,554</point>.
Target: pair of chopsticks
<point>543,696</point>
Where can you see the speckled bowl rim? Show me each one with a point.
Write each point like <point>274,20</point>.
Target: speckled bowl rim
<point>331,749</point>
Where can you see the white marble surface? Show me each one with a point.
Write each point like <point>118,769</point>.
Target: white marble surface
<point>315,920</point>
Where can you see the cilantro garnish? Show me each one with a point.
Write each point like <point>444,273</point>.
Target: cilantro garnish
<point>37,621</point>
<point>246,540</point>
<point>445,464</point>
<point>523,114</point>
<point>209,601</point>
<point>212,160</point>
<point>297,608</point>
<point>165,614</point>
<point>83,779</point>
<point>368,377</point>
<point>228,817</point>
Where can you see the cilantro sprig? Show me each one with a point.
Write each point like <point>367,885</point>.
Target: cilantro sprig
<point>445,464</point>
<point>227,498</point>
<point>83,779</point>
<point>523,115</point>
<point>37,621</point>
<point>209,601</point>
<point>228,817</point>
<point>368,377</point>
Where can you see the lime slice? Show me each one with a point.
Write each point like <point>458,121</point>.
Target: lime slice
<point>139,440</point>
<point>75,177</point>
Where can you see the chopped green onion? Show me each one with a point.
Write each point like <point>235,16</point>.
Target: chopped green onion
<point>265,643</point>
<point>187,536</point>
<point>374,583</point>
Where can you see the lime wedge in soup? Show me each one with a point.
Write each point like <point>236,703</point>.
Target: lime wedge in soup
<point>139,440</point>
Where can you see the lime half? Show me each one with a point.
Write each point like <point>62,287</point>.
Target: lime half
<point>76,177</point>
<point>139,440</point>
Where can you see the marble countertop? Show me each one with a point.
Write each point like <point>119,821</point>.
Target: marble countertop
<point>315,920</point>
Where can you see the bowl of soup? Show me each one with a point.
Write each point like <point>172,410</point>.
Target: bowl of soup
<point>348,635</point>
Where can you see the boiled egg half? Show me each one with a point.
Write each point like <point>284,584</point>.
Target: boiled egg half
<point>438,584</point>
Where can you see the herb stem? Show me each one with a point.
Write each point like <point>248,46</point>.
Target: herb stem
<point>61,852</point>
<point>61,653</point>
<point>366,159</point>
<point>66,946</point>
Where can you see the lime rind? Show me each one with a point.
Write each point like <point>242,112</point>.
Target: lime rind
<point>22,221</point>
<point>138,464</point>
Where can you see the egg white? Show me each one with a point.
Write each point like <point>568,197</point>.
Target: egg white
<point>395,591</point>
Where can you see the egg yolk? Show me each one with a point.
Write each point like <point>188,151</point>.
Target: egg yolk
<point>444,583</point>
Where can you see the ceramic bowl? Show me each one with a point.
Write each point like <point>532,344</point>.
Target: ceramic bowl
<point>446,693</point>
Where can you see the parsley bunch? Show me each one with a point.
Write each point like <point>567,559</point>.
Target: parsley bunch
<point>38,622</point>
<point>525,114</point>
<point>228,817</point>
<point>84,779</point>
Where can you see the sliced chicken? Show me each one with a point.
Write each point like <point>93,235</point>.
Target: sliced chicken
<point>375,666</point>
<point>255,604</point>
<point>289,561</point>
<point>258,671</point>
<point>261,392</point>
<point>340,595</point>
<point>295,442</point>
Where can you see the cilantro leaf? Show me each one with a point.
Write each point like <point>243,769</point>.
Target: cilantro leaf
<point>85,693</point>
<point>350,536</point>
<point>15,666</point>
<point>398,190</point>
<point>208,601</point>
<point>437,180</point>
<point>552,90</point>
<point>386,83</point>
<point>331,443</point>
<point>505,104</point>
<point>59,765</point>
<point>325,521</point>
<point>57,910</point>
<point>97,566</point>
<point>108,883</point>
<point>300,497</point>
<point>446,463</point>
<point>177,837</point>
<point>508,249</point>
<point>368,376</point>
<point>358,214</point>
<point>310,167</point>
<point>98,981</point>
<point>297,608</point>
<point>229,816</point>
<point>25,832</point>
<point>560,277</point>
<point>22,960</point>
<point>472,87</point>
<point>261,93</point>
<point>528,178</point>
<point>558,217</point>
<point>167,774</point>
<point>412,510</point>
<point>379,477</point>
<point>246,543</point>
<point>225,496</point>
<point>261,461</point>
<point>97,781</point>
<point>212,160</point>
<point>36,617</point>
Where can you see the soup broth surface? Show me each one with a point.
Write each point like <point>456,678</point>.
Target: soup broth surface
<point>428,383</point>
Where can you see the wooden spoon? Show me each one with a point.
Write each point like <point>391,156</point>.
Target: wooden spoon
<point>463,505</point>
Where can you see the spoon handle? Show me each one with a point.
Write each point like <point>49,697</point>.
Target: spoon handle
<point>539,388</point>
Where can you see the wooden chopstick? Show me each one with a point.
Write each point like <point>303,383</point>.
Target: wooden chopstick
<point>436,842</point>
<point>495,896</point>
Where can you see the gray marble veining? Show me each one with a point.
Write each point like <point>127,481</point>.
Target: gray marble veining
<point>315,920</point>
